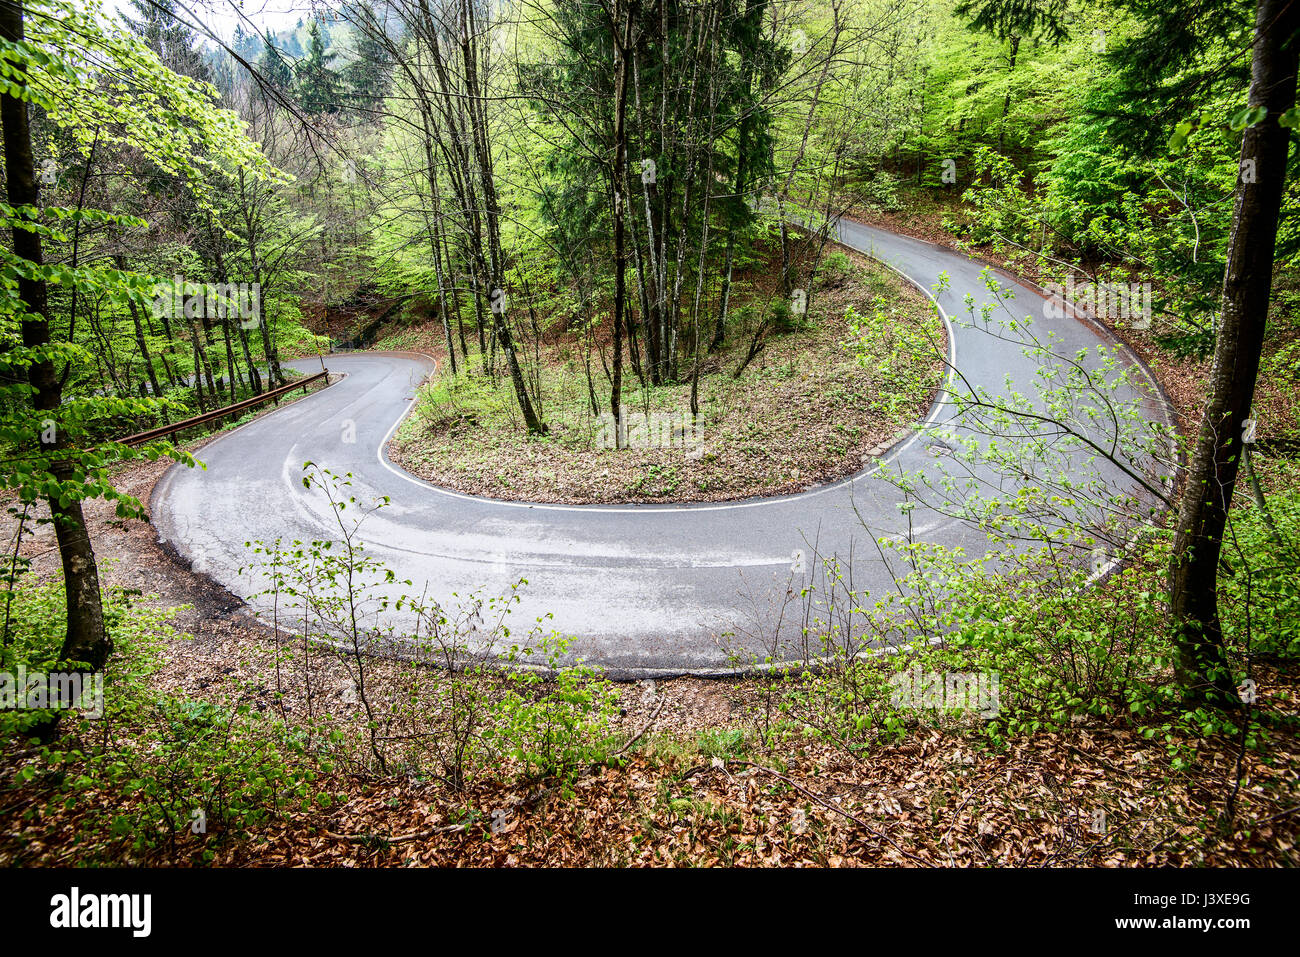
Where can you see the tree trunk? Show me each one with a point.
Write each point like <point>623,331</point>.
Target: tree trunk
<point>273,372</point>
<point>85,640</point>
<point>477,108</point>
<point>198,366</point>
<point>455,300</point>
<point>434,228</point>
<point>1006,102</point>
<point>227,319</point>
<point>1203,511</point>
<point>617,179</point>
<point>120,260</point>
<point>254,377</point>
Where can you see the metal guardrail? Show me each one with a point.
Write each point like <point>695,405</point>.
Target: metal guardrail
<point>164,430</point>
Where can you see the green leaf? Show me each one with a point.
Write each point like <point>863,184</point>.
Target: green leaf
<point>1246,116</point>
<point>1179,139</point>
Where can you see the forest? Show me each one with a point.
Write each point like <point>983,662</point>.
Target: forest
<point>650,432</point>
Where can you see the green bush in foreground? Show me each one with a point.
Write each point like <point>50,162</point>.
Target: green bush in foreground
<point>154,770</point>
<point>1057,647</point>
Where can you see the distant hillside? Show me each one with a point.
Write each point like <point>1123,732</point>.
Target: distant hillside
<point>292,41</point>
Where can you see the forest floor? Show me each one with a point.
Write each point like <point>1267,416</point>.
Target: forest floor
<point>816,404</point>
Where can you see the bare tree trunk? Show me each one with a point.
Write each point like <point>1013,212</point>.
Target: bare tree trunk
<point>120,260</point>
<point>227,319</point>
<point>617,179</point>
<point>274,375</point>
<point>477,108</point>
<point>1203,511</point>
<point>254,377</point>
<point>198,364</point>
<point>213,383</point>
<point>435,232</point>
<point>720,328</point>
<point>273,371</point>
<point>753,10</point>
<point>1006,103</point>
<point>783,196</point>
<point>230,358</point>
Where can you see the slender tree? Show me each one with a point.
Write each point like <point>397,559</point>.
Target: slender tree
<point>85,641</point>
<point>1247,284</point>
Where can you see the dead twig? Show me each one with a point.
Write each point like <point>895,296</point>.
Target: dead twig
<point>640,734</point>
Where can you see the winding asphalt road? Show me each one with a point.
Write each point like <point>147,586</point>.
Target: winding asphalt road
<point>644,589</point>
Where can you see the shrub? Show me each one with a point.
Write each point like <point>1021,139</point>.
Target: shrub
<point>154,770</point>
<point>556,724</point>
<point>1259,592</point>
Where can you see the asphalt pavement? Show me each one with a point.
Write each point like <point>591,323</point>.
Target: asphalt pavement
<point>642,589</point>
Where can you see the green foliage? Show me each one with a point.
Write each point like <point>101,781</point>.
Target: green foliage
<point>195,772</point>
<point>783,317</point>
<point>318,84</point>
<point>367,73</point>
<point>1259,590</point>
<point>1004,18</point>
<point>835,268</point>
<point>462,396</point>
<point>1119,153</point>
<point>486,704</point>
<point>172,119</point>
<point>554,724</point>
<point>158,771</point>
<point>721,743</point>
<point>881,191</point>
<point>273,67</point>
<point>1062,648</point>
<point>897,353</point>
<point>167,36</point>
